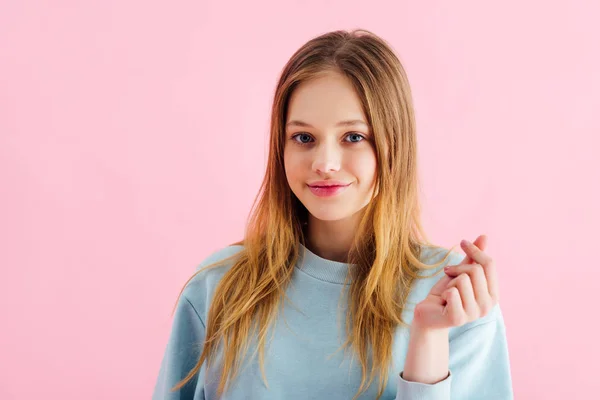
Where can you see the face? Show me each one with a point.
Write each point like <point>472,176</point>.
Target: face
<point>321,150</point>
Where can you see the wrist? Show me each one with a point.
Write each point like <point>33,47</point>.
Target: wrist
<point>427,356</point>
<point>423,331</point>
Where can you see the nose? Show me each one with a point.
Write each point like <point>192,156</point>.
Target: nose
<point>327,158</point>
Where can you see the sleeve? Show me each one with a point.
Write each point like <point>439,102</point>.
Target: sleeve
<point>181,355</point>
<point>479,365</point>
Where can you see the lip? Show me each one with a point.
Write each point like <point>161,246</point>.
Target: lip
<point>327,189</point>
<point>328,183</point>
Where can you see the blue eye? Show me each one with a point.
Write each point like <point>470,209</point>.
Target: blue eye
<point>358,138</point>
<point>301,135</point>
<point>356,135</point>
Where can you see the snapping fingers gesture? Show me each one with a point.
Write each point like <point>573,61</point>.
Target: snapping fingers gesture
<point>467,292</point>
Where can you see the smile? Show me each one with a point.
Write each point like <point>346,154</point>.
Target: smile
<point>328,191</point>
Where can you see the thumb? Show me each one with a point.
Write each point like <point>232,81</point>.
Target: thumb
<point>480,243</point>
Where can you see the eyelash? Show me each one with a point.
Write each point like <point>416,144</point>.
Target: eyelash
<point>304,133</point>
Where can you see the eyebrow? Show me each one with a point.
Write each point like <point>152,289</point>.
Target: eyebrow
<point>350,122</point>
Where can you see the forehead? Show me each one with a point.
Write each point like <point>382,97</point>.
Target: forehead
<point>324,101</point>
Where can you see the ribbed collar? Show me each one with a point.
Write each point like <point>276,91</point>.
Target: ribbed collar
<point>321,268</point>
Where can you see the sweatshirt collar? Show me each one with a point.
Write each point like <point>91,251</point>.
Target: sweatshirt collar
<point>321,268</point>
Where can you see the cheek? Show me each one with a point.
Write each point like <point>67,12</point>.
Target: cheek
<point>364,166</point>
<point>292,164</point>
<point>293,158</point>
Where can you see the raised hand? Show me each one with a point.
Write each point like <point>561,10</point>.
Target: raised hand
<point>467,292</point>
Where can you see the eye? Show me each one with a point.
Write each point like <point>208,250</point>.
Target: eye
<point>301,135</point>
<point>355,135</point>
<point>305,138</point>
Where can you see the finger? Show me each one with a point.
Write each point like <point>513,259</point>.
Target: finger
<point>467,295</point>
<point>440,285</point>
<point>475,253</point>
<point>483,297</point>
<point>487,263</point>
<point>453,311</point>
<point>491,280</point>
<point>481,243</point>
<point>478,278</point>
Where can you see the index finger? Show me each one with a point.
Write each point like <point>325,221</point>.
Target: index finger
<point>489,267</point>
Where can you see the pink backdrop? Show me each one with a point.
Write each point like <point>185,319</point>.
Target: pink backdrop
<point>133,140</point>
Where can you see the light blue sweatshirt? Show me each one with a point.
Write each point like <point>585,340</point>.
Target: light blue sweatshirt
<point>298,361</point>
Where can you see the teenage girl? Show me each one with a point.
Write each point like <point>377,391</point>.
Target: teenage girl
<point>334,292</point>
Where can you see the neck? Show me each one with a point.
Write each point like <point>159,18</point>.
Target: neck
<point>331,240</point>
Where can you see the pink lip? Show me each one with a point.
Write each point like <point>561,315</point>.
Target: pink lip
<point>327,190</point>
<point>329,182</point>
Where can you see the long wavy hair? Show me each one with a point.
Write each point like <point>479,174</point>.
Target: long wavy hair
<point>389,238</point>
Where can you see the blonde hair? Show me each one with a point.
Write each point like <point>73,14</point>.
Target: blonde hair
<point>387,248</point>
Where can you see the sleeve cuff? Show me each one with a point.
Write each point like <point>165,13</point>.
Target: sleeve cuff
<point>408,390</point>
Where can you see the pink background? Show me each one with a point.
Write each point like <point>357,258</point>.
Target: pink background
<point>133,141</point>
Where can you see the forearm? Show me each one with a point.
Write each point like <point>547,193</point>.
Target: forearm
<point>427,357</point>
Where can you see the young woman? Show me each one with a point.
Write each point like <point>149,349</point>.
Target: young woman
<point>335,258</point>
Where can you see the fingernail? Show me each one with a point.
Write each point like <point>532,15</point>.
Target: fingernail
<point>466,243</point>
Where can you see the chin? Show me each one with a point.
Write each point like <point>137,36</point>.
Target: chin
<point>329,215</point>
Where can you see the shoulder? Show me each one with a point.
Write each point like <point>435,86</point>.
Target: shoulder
<point>434,254</point>
<point>201,287</point>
